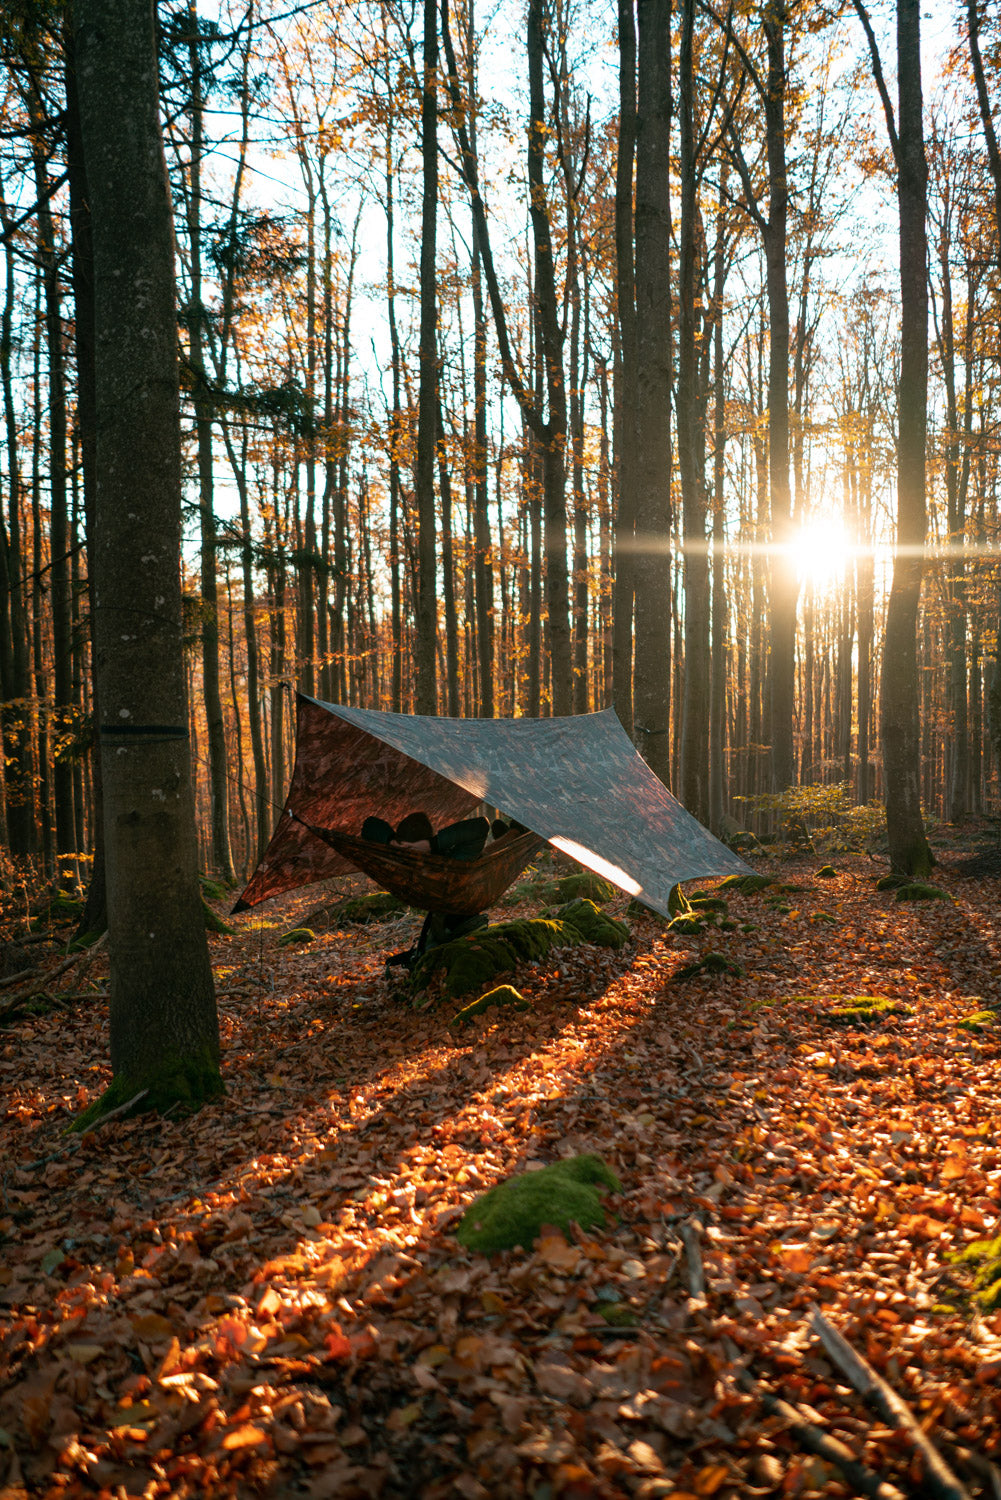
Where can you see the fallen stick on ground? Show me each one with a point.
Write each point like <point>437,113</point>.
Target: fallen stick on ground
<point>689,1232</point>
<point>84,957</point>
<point>939,1479</point>
<point>77,1141</point>
<point>809,1436</point>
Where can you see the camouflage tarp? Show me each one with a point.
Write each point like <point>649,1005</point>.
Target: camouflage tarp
<point>578,783</point>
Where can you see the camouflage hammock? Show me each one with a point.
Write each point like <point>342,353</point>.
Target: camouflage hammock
<point>575,783</point>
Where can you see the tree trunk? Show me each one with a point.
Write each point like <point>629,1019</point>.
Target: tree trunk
<point>652,571</point>
<point>164,1027</point>
<point>692,454</point>
<point>427,604</point>
<point>784,583</point>
<point>909,851</point>
<point>625,449</point>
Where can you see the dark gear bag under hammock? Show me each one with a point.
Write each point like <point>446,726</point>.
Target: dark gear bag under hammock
<point>437,882</point>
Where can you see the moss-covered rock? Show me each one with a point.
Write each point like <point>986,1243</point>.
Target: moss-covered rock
<point>183,1084</point>
<point>357,911</point>
<point>594,925</point>
<point>513,1212</point>
<point>709,963</point>
<point>686,924</point>
<point>892,882</point>
<point>580,885</point>
<point>59,910</point>
<point>827,872</point>
<point>703,903</point>
<point>295,936</point>
<point>503,995</point>
<point>918,890</point>
<point>471,963</point>
<point>745,885</point>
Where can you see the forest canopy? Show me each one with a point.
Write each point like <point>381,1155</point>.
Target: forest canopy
<point>532,359</point>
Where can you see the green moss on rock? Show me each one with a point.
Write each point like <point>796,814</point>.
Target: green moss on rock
<point>59,910</point>
<point>582,884</point>
<point>296,935</point>
<point>892,882</point>
<point>594,925</point>
<point>503,995</point>
<point>376,906</point>
<point>745,885</point>
<point>184,1084</point>
<point>470,963</point>
<point>827,872</point>
<point>513,1212</point>
<point>917,890</point>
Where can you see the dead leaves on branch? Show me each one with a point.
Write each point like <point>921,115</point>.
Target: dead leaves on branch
<point>268,1298</point>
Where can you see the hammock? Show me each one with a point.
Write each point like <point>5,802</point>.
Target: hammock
<point>436,882</point>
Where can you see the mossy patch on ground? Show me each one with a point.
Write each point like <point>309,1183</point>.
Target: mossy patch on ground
<point>709,963</point>
<point>865,1010</point>
<point>918,890</point>
<point>594,925</point>
<point>514,1212</point>
<point>979,1020</point>
<point>827,872</point>
<point>503,995</point>
<point>580,884</point>
<point>985,1255</point>
<point>296,935</point>
<point>214,890</point>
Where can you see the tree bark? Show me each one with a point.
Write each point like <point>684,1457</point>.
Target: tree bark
<point>164,1027</point>
<point>427,604</point>
<point>692,452</point>
<point>652,572</point>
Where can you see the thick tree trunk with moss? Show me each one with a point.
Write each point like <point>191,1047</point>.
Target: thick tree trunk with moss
<point>164,1027</point>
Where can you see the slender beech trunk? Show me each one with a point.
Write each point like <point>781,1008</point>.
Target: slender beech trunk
<point>624,560</point>
<point>784,583</point>
<point>427,604</point>
<point>15,711</point>
<point>62,714</point>
<point>652,571</point>
<point>691,452</point>
<point>212,693</point>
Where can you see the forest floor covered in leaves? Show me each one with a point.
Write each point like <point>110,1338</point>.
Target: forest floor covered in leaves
<point>268,1298</point>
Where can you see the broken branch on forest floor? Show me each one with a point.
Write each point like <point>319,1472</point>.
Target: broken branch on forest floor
<point>940,1479</point>
<point>811,1438</point>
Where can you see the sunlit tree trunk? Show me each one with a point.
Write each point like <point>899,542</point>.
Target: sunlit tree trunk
<point>427,604</point>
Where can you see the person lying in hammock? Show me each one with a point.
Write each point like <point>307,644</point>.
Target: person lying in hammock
<point>463,840</point>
